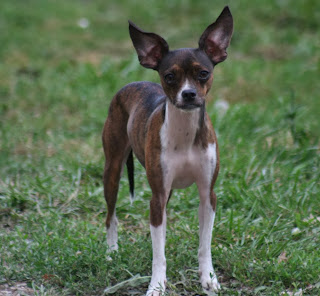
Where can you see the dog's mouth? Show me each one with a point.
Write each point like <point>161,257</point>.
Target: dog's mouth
<point>188,106</point>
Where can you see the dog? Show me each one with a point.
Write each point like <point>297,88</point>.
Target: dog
<point>167,128</point>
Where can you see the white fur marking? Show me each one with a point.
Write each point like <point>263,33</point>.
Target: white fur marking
<point>112,234</point>
<point>179,156</point>
<point>208,165</point>
<point>158,279</point>
<point>132,198</point>
<point>208,278</point>
<point>206,220</point>
<point>185,86</point>
<point>184,163</point>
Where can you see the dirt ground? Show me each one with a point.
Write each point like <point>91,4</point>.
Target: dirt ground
<point>18,289</point>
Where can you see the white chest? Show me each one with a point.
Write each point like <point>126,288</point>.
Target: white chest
<point>184,163</point>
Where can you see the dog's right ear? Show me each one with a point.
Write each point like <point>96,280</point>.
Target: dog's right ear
<point>150,47</point>
<point>216,38</point>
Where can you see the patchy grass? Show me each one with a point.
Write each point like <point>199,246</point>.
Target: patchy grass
<point>56,80</point>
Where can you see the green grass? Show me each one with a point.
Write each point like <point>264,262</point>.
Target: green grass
<point>56,80</point>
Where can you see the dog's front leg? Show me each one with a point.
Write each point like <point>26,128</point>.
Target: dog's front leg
<point>207,207</point>
<point>158,221</point>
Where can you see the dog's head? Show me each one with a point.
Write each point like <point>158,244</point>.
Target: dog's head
<point>186,74</point>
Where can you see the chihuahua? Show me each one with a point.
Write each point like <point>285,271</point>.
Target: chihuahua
<point>169,131</point>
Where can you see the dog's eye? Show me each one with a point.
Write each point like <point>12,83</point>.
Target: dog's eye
<point>169,78</point>
<point>203,75</point>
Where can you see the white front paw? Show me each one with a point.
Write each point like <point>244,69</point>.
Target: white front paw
<point>152,292</point>
<point>155,292</point>
<point>209,281</point>
<point>156,289</point>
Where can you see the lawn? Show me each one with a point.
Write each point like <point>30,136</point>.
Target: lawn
<point>60,64</point>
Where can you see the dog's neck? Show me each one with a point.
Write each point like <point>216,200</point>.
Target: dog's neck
<point>180,127</point>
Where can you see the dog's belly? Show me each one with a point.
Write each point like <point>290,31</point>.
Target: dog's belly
<point>183,168</point>
<point>182,175</point>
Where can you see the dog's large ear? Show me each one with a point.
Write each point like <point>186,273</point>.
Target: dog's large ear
<point>216,38</point>
<point>150,47</point>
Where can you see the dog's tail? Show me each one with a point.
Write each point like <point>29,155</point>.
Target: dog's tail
<point>130,170</point>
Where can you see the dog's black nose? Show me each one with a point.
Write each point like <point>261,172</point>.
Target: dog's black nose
<point>189,95</point>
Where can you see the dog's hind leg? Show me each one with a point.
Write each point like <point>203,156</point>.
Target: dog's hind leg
<point>111,180</point>
<point>116,148</point>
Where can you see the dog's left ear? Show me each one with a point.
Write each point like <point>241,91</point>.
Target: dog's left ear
<point>150,47</point>
<point>216,38</point>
